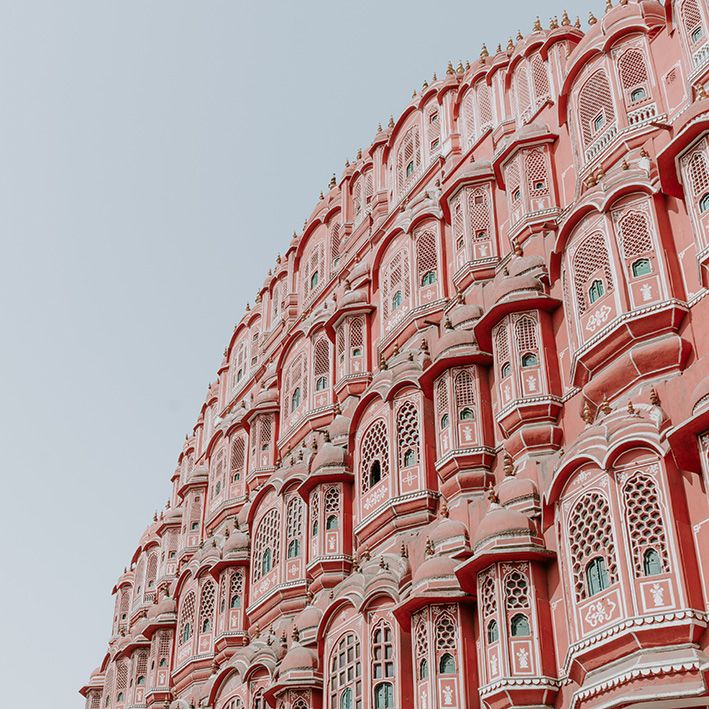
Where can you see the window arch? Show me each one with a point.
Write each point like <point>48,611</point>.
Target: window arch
<point>321,364</point>
<point>645,526</point>
<point>382,651</point>
<point>536,169</point>
<point>408,435</point>
<point>384,696</point>
<point>519,626</point>
<point>408,158</point>
<point>632,69</point>
<point>493,632</point>
<point>479,216</point>
<point>446,665</point>
<point>236,589</point>
<point>237,460</point>
<point>692,22</point>
<point>294,524</point>
<point>426,258</point>
<point>516,590</point>
<point>266,544</point>
<point>374,455</point>
<point>446,632</point>
<point>464,387</point>
<point>206,607</point>
<point>442,402</point>
<point>595,106</point>
<point>345,678</point>
<point>295,385</point>
<point>591,537</point>
<point>395,282</point>
<point>187,612</point>
<point>527,340</point>
<point>591,258</point>
<point>704,203</point>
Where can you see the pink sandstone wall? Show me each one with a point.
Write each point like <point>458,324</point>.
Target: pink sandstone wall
<point>456,453</point>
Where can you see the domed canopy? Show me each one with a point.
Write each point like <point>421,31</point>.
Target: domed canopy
<point>298,658</point>
<point>499,522</point>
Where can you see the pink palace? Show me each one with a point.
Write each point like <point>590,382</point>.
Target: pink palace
<point>457,453</point>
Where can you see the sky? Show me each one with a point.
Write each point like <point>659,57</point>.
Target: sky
<point>155,156</point>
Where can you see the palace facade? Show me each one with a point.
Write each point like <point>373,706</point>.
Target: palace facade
<point>457,452</point>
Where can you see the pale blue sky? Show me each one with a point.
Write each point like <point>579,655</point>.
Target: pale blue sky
<point>154,158</point>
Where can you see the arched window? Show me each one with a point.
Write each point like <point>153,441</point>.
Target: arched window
<point>519,626</point>
<point>646,528</point>
<point>266,544</point>
<point>396,300</point>
<point>637,95</point>
<point>466,414</point>
<point>206,606</point>
<point>236,590</point>
<point>187,617</point>
<point>374,455</point>
<point>506,370</point>
<point>589,530</point>
<point>641,267</point>
<point>428,278</point>
<point>332,523</point>
<point>596,576</point>
<point>238,458</point>
<point>595,106</point>
<point>344,686</point>
<point>492,632</point>
<point>294,524</point>
<point>408,157</point>
<point>464,389</point>
<point>320,383</point>
<point>704,203</point>
<point>692,21</point>
<point>446,665</point>
<point>423,669</point>
<point>295,399</point>
<point>596,291</point>
<point>293,548</point>
<point>445,420</point>
<point>426,257</point>
<point>530,360</point>
<point>140,681</point>
<point>652,565</point>
<point>321,366</point>
<point>408,435</point>
<point>384,696</point>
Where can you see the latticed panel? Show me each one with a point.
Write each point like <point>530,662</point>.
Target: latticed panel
<point>484,102</point>
<point>409,153</point>
<point>368,186</point>
<point>332,500</point>
<point>345,670</point>
<point>433,130</point>
<point>141,664</point>
<point>357,196</point>
<point>375,446</point>
<point>458,219</point>
<point>446,635</point>
<point>635,238</point>
<point>522,89</point>
<point>632,68</point>
<point>109,684</point>
<point>590,257</point>
<point>294,521</point>
<point>382,651</point>
<point>238,457</point>
<point>479,213</point>
<point>164,644</point>
<point>267,537</point>
<point>540,79</point>
<point>322,357</point>
<point>512,176</point>
<point>340,352</point>
<point>526,334</point>
<point>426,254</point>
<point>314,508</point>
<point>595,97</point>
<point>488,597</point>
<point>95,700</point>
<point>236,588</point>
<point>502,344</point>
<point>206,604</point>
<point>464,387</point>
<point>442,397</point>
<point>265,429</point>
<point>421,635</point>
<point>644,519</point>
<point>691,16</point>
<point>356,333</point>
<point>536,168</point>
<point>335,238</point>
<point>407,429</point>
<point>516,590</point>
<point>591,535</point>
<point>468,111</point>
<point>152,571</point>
<point>187,614</point>
<point>121,676</point>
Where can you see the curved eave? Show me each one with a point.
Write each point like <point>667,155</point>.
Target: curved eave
<point>415,602</point>
<point>460,357</point>
<point>331,474</point>
<point>516,144</point>
<point>483,328</point>
<point>346,310</point>
<point>467,572</point>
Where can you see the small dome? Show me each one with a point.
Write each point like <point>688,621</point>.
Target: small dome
<point>266,396</point>
<point>354,297</point>
<point>500,521</point>
<point>308,618</point>
<point>299,658</point>
<point>513,488</point>
<point>328,455</point>
<point>166,605</point>
<point>236,542</point>
<point>435,568</point>
<point>446,530</point>
<point>523,264</point>
<point>340,427</point>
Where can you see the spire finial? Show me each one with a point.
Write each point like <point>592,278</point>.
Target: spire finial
<point>492,495</point>
<point>586,413</point>
<point>565,21</point>
<point>592,19</point>
<point>654,397</point>
<point>333,179</point>
<point>449,69</point>
<point>554,23</point>
<point>510,44</point>
<point>508,466</point>
<point>537,27</point>
<point>484,54</point>
<point>609,5</point>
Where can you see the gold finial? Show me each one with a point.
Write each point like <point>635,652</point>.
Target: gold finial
<point>295,633</point>
<point>631,408</point>
<point>517,248</point>
<point>586,413</point>
<point>403,551</point>
<point>577,24</point>
<point>499,48</point>
<point>605,405</point>
<point>654,397</point>
<point>391,122</point>
<point>459,69</point>
<point>554,23</point>
<point>449,69</point>
<point>537,27</point>
<point>519,35</point>
<point>508,467</point>
<point>322,196</point>
<point>248,307</point>
<point>483,52</point>
<point>592,19</point>
<point>434,77</point>
<point>333,179</point>
<point>414,94</point>
<point>424,86</point>
<point>424,346</point>
<point>624,165</point>
<point>609,5</point>
<point>444,507</point>
<point>701,92</point>
<point>428,550</point>
<point>510,44</point>
<point>565,21</point>
<point>359,154</point>
<point>467,65</point>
